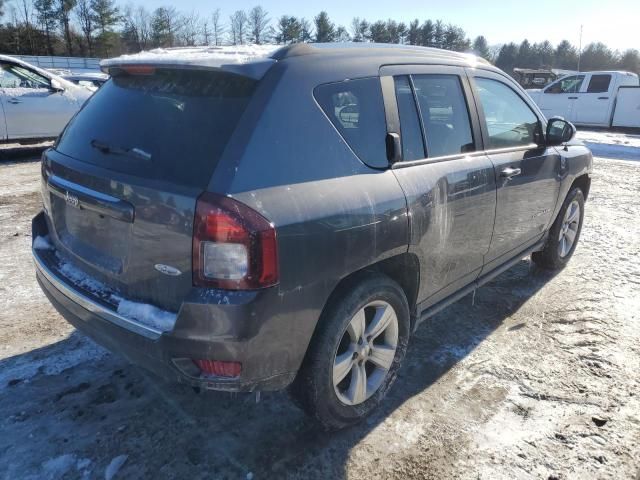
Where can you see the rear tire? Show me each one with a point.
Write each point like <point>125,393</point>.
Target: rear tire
<point>351,362</point>
<point>564,233</point>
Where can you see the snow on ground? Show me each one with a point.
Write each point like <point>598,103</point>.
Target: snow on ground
<point>604,143</point>
<point>538,378</point>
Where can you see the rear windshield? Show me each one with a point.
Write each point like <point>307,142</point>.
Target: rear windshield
<point>171,125</point>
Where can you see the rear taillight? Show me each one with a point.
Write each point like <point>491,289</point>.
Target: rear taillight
<point>219,369</point>
<point>234,247</point>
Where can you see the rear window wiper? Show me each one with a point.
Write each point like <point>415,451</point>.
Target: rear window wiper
<point>115,150</point>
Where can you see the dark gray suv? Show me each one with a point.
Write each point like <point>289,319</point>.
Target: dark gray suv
<point>288,221</point>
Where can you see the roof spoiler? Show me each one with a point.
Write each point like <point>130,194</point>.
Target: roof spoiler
<point>248,61</point>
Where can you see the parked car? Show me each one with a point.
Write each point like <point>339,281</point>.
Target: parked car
<point>592,99</point>
<point>92,81</point>
<point>37,104</point>
<point>228,225</point>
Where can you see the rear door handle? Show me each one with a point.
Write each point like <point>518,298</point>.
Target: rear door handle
<point>603,98</point>
<point>510,172</point>
<point>573,98</point>
<point>14,101</point>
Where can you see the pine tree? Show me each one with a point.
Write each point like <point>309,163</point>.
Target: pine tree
<point>544,54</point>
<point>359,30</point>
<point>428,34</point>
<point>289,30</point>
<point>507,57</point>
<point>325,29</point>
<point>163,26</point>
<point>47,15</point>
<point>414,33</point>
<point>378,32</point>
<point>481,48</point>
<point>342,35</point>
<point>597,56</point>
<point>105,14</point>
<point>566,56</point>
<point>630,61</point>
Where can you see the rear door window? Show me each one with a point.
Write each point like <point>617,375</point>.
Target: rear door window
<point>356,109</point>
<point>599,84</point>
<point>170,125</point>
<point>445,115</point>
<point>410,130</point>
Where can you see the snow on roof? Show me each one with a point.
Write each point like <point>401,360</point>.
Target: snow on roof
<point>212,57</point>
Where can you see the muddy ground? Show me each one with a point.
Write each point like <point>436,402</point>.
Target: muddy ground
<point>538,378</point>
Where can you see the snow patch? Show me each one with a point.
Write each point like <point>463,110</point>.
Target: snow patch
<point>114,467</point>
<point>614,145</point>
<point>146,314</point>
<point>59,466</point>
<point>143,313</point>
<point>81,279</point>
<point>209,56</point>
<point>60,358</point>
<point>42,243</point>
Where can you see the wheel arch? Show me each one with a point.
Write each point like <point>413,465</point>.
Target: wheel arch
<point>402,269</point>
<point>583,182</point>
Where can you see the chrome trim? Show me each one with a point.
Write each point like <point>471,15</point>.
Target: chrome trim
<point>85,302</point>
<point>458,156</point>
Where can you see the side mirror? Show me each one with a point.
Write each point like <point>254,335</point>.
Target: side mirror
<point>394,148</point>
<point>56,86</point>
<point>559,131</point>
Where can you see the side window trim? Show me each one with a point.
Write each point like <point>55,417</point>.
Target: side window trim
<point>388,90</point>
<point>425,142</point>
<point>481,117</point>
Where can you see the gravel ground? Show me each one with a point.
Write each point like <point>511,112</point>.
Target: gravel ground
<point>539,377</point>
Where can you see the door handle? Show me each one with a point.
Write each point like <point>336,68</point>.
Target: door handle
<point>510,172</point>
<point>14,101</point>
<point>573,98</point>
<point>603,98</point>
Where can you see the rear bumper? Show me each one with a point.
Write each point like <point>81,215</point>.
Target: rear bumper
<point>229,332</point>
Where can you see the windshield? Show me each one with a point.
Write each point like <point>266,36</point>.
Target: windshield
<point>170,125</point>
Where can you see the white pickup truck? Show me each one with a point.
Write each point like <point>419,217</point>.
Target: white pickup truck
<point>597,99</point>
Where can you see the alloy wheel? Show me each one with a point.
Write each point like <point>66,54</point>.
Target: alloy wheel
<point>569,229</point>
<point>365,353</point>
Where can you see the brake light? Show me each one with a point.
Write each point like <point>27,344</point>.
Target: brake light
<point>219,369</point>
<point>138,69</point>
<point>234,247</point>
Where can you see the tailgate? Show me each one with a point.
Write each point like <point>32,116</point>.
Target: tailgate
<point>121,184</point>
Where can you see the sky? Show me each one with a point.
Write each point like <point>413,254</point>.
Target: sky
<point>613,22</point>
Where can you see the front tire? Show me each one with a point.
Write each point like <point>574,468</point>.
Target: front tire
<point>564,233</point>
<point>355,355</point>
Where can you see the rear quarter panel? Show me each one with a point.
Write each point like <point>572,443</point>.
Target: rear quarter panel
<point>333,214</point>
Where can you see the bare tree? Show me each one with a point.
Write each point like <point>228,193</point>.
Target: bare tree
<point>190,29</point>
<point>84,16</point>
<point>238,27</point>
<point>218,28</point>
<point>142,21</point>
<point>258,25</point>
<point>206,32</point>
<point>26,12</point>
<point>64,8</point>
